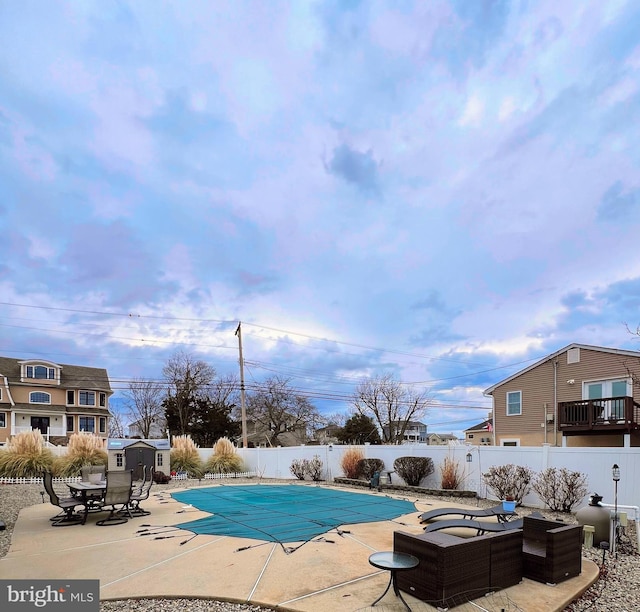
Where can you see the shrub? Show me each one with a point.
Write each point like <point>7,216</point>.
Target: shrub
<point>509,480</point>
<point>307,467</point>
<point>367,467</point>
<point>314,468</point>
<point>451,474</point>
<point>224,459</point>
<point>83,449</point>
<point>350,462</point>
<point>413,469</point>
<point>161,478</point>
<point>185,457</point>
<point>25,456</point>
<point>560,489</point>
<point>297,468</point>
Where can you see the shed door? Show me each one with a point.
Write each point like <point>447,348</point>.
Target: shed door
<point>136,458</point>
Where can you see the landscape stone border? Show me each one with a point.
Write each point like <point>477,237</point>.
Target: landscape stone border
<point>358,482</point>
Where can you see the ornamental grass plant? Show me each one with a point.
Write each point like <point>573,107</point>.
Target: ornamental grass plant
<point>83,449</point>
<point>450,473</point>
<point>26,456</point>
<point>350,462</point>
<point>224,460</point>
<point>185,457</point>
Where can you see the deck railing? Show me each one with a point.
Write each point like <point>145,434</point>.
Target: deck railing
<point>605,413</point>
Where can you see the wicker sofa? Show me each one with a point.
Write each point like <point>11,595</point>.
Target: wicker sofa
<point>453,570</point>
<point>551,551</point>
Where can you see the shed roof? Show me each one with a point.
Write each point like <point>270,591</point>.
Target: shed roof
<point>121,443</point>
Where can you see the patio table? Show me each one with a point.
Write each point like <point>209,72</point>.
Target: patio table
<point>394,562</point>
<point>85,489</point>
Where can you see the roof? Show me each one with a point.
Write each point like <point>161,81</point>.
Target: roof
<point>481,426</point>
<point>588,347</point>
<point>71,376</point>
<point>443,436</point>
<point>121,443</point>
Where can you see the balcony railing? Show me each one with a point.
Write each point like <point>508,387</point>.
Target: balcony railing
<point>52,431</point>
<point>606,414</point>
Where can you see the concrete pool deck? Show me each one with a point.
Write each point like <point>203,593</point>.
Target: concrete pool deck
<point>330,572</point>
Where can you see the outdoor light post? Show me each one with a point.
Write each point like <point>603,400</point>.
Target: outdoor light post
<point>615,473</point>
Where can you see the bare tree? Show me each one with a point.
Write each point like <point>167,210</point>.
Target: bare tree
<point>116,427</point>
<point>390,404</point>
<point>188,380</point>
<point>276,409</point>
<point>143,400</point>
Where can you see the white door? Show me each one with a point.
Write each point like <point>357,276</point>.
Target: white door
<point>613,409</point>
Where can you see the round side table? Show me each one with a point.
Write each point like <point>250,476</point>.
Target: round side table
<point>394,562</point>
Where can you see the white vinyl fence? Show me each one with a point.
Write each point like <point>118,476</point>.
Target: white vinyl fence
<point>596,463</point>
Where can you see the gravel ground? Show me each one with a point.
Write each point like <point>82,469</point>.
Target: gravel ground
<point>617,589</point>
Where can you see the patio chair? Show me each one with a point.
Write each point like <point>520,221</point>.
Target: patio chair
<point>497,511</point>
<point>552,550</point>
<point>117,495</point>
<point>481,527</point>
<point>85,470</point>
<point>93,498</point>
<point>453,570</point>
<point>141,494</point>
<point>66,504</point>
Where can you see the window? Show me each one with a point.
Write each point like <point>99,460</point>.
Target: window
<point>510,442</point>
<point>470,436</point>
<point>3,419</point>
<point>0,394</point>
<point>71,398</point>
<point>38,397</point>
<point>103,424</point>
<point>87,398</point>
<point>103,400</point>
<point>69,423</point>
<point>41,372</point>
<point>119,460</point>
<point>514,403</point>
<point>87,424</point>
<point>159,456</point>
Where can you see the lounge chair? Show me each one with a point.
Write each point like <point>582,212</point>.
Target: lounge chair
<point>117,493</point>
<point>481,527</point>
<point>497,511</point>
<point>66,504</point>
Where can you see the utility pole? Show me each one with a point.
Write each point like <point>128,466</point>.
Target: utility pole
<point>243,406</point>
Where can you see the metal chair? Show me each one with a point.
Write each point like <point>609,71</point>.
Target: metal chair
<point>140,495</point>
<point>66,504</point>
<point>117,495</point>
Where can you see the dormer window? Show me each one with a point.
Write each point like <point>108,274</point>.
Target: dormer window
<point>41,372</point>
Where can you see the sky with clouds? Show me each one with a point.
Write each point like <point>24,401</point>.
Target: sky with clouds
<point>446,191</point>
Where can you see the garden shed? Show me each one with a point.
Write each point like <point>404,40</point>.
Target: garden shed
<point>134,454</point>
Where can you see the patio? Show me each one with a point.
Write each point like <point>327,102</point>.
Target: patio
<point>329,572</point>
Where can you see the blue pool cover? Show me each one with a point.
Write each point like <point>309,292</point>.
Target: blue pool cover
<point>284,513</point>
